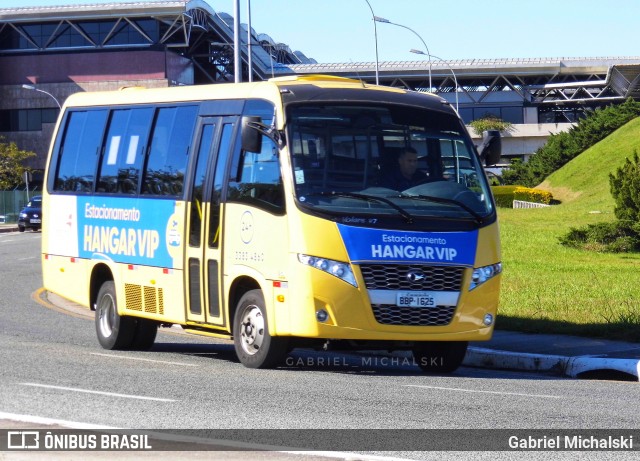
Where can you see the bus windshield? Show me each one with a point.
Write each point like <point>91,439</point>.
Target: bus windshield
<point>385,160</point>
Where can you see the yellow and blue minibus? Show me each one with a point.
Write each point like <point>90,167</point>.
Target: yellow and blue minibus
<point>262,212</point>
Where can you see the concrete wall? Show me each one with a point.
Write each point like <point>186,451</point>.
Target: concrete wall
<point>83,67</point>
<point>522,140</point>
<point>64,74</point>
<point>16,97</point>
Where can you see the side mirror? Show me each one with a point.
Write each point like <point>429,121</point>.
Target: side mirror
<point>491,148</point>
<point>251,137</point>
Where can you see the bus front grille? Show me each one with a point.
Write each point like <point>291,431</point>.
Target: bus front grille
<point>414,277</point>
<point>416,316</point>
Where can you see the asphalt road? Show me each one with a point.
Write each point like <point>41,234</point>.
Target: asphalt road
<point>53,367</point>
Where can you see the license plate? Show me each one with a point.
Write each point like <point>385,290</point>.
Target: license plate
<point>35,221</point>
<point>415,299</point>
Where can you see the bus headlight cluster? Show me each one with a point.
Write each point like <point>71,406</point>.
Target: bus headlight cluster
<point>336,268</point>
<point>482,274</point>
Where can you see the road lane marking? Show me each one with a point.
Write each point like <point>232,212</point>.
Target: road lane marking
<point>39,420</point>
<point>484,392</point>
<point>25,259</point>
<point>87,391</point>
<point>145,360</point>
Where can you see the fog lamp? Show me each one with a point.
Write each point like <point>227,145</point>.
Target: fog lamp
<point>488,320</point>
<point>322,315</point>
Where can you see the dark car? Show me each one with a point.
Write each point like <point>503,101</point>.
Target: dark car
<point>31,215</point>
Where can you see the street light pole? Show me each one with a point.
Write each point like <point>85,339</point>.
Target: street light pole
<point>249,59</point>
<point>452,72</point>
<point>386,21</point>
<point>375,35</point>
<point>237,63</point>
<point>31,87</point>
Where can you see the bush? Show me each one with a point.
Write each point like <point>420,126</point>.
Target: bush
<point>613,237</point>
<point>503,195</point>
<point>527,194</point>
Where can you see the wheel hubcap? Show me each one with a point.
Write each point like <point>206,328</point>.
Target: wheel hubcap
<point>107,315</point>
<point>252,330</point>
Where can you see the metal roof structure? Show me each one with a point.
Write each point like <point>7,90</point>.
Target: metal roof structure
<point>529,80</point>
<point>193,30</point>
<point>190,28</point>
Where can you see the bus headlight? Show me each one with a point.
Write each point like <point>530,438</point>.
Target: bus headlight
<point>336,268</point>
<point>482,274</point>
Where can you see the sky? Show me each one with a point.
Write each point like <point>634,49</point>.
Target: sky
<point>340,31</point>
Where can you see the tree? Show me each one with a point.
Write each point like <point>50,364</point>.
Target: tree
<point>625,189</point>
<point>11,164</point>
<point>489,122</point>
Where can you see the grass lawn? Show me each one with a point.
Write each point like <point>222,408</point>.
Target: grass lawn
<point>549,288</point>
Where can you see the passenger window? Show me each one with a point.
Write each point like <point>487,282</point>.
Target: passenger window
<point>172,133</point>
<point>79,152</point>
<point>125,146</point>
<point>257,179</point>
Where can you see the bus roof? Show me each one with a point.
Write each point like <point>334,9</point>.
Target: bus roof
<point>292,89</point>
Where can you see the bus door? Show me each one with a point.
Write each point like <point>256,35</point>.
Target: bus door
<point>203,254</point>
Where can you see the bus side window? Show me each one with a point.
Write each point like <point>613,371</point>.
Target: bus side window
<point>164,171</point>
<point>78,155</point>
<point>125,146</point>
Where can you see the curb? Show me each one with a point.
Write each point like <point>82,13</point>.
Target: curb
<point>573,367</point>
<point>4,229</point>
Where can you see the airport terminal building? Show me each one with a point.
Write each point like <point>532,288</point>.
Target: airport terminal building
<point>48,53</point>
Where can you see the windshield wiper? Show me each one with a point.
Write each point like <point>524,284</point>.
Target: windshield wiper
<point>447,201</point>
<point>369,198</point>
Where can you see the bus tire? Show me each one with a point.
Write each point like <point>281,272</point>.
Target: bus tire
<point>144,334</point>
<point>254,346</point>
<point>113,330</point>
<point>440,356</point>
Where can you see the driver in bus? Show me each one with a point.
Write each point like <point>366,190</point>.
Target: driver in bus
<point>405,173</point>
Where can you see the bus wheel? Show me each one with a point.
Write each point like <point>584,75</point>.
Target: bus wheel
<point>255,347</point>
<point>144,335</point>
<point>440,356</point>
<point>114,331</point>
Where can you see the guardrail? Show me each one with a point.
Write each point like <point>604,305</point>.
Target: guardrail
<point>523,204</point>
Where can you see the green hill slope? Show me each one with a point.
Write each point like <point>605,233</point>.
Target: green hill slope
<point>550,288</point>
<point>584,181</point>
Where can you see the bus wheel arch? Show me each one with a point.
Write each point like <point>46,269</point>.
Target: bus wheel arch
<point>239,287</point>
<point>100,274</point>
<point>253,343</point>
